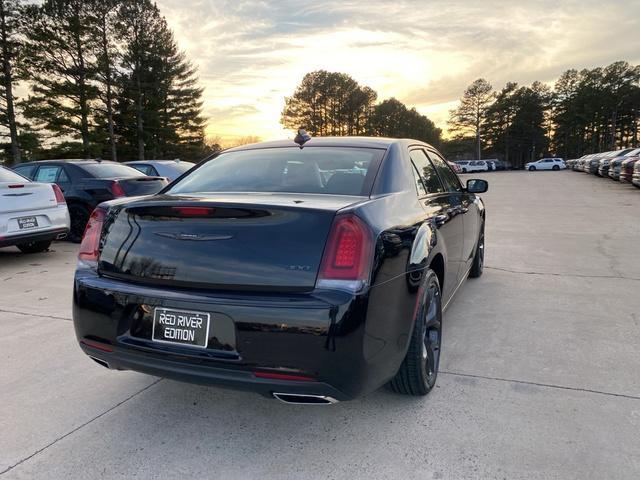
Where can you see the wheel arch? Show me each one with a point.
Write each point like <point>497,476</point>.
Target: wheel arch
<point>438,266</point>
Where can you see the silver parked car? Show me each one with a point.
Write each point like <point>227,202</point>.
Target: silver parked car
<point>170,169</point>
<point>32,214</point>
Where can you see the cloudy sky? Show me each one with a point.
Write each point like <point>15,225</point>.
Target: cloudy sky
<point>251,54</point>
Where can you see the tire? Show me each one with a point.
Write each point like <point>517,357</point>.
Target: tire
<point>478,260</point>
<point>464,170</point>
<point>34,247</point>
<point>79,217</point>
<point>555,167</point>
<point>419,370</point>
<point>532,168</point>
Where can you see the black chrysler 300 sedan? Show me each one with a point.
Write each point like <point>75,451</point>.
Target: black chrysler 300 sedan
<point>311,273</point>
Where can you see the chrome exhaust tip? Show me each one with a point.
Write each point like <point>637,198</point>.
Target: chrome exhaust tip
<point>100,361</point>
<point>299,399</point>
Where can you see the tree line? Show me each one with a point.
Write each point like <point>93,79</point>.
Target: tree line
<point>103,78</point>
<point>586,111</point>
<point>332,103</point>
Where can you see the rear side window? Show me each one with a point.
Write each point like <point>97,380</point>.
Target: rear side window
<point>427,171</point>
<point>25,170</point>
<point>449,178</point>
<point>47,174</point>
<point>422,191</point>
<point>7,175</point>
<point>322,170</point>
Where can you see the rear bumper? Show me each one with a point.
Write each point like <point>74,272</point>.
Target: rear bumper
<point>162,366</point>
<point>320,335</point>
<point>53,224</point>
<point>38,236</point>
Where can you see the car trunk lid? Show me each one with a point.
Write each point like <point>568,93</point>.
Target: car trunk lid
<point>236,241</point>
<point>134,186</point>
<point>23,196</point>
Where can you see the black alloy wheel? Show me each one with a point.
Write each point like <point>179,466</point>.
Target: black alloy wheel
<point>419,370</point>
<point>532,168</point>
<point>555,167</point>
<point>79,217</point>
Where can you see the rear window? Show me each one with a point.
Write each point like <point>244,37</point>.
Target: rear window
<point>146,169</point>
<point>110,170</point>
<point>9,176</point>
<point>25,170</point>
<point>328,170</point>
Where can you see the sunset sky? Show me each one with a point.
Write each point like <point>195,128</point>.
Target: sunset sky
<point>251,54</point>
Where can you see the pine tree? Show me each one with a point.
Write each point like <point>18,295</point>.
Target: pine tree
<point>61,67</point>
<point>159,95</point>
<point>471,115</point>
<point>102,16</point>
<point>9,49</point>
<point>391,118</point>
<point>329,103</point>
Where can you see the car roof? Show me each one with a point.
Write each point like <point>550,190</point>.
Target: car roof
<point>157,162</point>
<point>68,160</point>
<point>363,142</point>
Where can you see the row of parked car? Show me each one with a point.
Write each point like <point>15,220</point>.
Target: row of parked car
<point>622,165</point>
<point>49,200</point>
<point>465,166</point>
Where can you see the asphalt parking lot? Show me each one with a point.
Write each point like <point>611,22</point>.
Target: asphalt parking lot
<point>539,376</point>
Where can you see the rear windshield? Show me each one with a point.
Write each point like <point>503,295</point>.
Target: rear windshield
<point>110,170</point>
<point>9,176</point>
<point>328,170</point>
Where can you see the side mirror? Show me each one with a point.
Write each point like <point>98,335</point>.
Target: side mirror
<point>477,185</point>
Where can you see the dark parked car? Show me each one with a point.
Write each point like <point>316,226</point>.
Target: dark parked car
<point>615,165</point>
<point>635,179</point>
<point>592,165</point>
<point>500,165</point>
<point>86,183</point>
<point>311,274</point>
<point>171,169</point>
<point>626,169</point>
<point>605,161</point>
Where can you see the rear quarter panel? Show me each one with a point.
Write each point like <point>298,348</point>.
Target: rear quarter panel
<point>406,242</point>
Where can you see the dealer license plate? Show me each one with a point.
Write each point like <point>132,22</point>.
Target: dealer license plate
<point>183,327</point>
<point>27,222</point>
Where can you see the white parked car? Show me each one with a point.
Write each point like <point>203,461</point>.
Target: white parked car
<point>170,169</point>
<point>473,166</point>
<point>546,164</point>
<point>32,214</point>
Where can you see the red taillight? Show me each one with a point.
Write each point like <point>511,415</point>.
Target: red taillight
<point>193,211</point>
<point>117,190</point>
<point>59,195</point>
<point>90,246</point>
<point>283,376</point>
<point>17,185</point>
<point>348,253</point>
<point>97,345</point>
